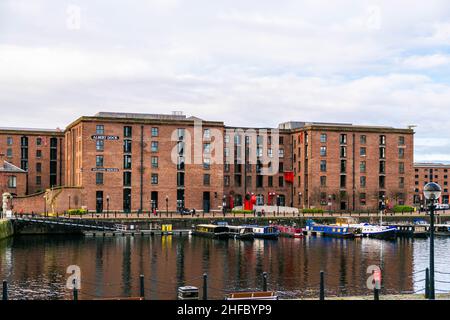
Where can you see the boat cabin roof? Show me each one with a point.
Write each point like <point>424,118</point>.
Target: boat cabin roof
<point>213,226</point>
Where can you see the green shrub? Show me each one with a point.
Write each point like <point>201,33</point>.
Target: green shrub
<point>243,211</point>
<point>77,211</point>
<point>316,210</point>
<point>399,208</point>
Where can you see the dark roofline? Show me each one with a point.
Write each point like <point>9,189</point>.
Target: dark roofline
<point>32,131</point>
<point>353,128</point>
<point>187,121</point>
<point>431,165</point>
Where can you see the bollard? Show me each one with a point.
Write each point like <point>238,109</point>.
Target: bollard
<point>376,293</point>
<point>141,286</point>
<point>265,281</point>
<point>205,286</point>
<point>5,291</point>
<point>75,290</point>
<point>322,286</point>
<point>427,283</point>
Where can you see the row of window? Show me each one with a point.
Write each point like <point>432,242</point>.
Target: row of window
<point>99,179</point>
<point>24,142</point>
<point>259,139</point>
<point>9,153</point>
<point>362,139</point>
<point>362,181</point>
<point>259,181</point>
<point>435,176</point>
<point>248,167</point>
<point>417,183</point>
<point>363,152</point>
<point>363,166</point>
<point>259,152</point>
<point>128,132</point>
<point>431,170</point>
<point>327,199</point>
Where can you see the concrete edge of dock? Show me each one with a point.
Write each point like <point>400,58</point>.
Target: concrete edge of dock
<point>389,297</point>
<point>6,229</point>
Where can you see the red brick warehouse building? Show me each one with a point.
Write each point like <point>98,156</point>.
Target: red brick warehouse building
<point>349,167</point>
<point>39,152</point>
<point>125,162</point>
<point>132,162</point>
<point>431,172</point>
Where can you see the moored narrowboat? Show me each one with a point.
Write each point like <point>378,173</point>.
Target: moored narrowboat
<point>212,231</point>
<point>265,232</point>
<point>241,232</point>
<point>378,232</point>
<point>411,230</point>
<point>288,231</point>
<point>442,230</point>
<point>339,231</point>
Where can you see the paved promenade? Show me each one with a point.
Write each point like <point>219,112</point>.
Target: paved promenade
<point>220,215</point>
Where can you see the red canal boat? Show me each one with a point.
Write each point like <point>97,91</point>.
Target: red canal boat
<point>292,232</point>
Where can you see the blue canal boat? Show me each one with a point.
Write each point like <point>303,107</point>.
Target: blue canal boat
<point>265,232</point>
<point>339,231</point>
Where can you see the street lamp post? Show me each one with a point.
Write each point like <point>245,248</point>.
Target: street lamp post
<point>45,205</point>
<point>167,206</point>
<point>382,207</point>
<point>432,192</point>
<point>224,203</point>
<point>107,206</point>
<point>330,204</point>
<point>278,204</point>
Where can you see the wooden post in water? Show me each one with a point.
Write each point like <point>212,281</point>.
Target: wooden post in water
<point>322,286</point>
<point>5,291</point>
<point>205,286</point>
<point>427,283</point>
<point>265,281</point>
<point>141,286</point>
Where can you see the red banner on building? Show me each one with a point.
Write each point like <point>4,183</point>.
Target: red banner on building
<point>289,176</point>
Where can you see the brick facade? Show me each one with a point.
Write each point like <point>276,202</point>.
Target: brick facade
<point>39,152</point>
<point>112,158</point>
<point>431,172</point>
<point>338,167</point>
<point>163,179</point>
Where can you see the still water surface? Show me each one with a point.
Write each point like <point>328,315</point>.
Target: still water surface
<point>35,266</point>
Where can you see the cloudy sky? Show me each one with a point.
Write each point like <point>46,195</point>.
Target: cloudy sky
<point>252,62</point>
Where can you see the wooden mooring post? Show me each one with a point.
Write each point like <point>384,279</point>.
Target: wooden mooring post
<point>205,286</point>
<point>265,281</point>
<point>141,286</point>
<point>322,286</point>
<point>5,291</point>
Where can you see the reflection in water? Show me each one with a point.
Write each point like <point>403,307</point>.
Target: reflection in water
<point>35,266</point>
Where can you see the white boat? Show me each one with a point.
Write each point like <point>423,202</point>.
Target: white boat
<point>378,232</point>
<point>369,230</point>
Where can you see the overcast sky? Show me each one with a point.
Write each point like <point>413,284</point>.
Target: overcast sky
<point>252,62</point>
